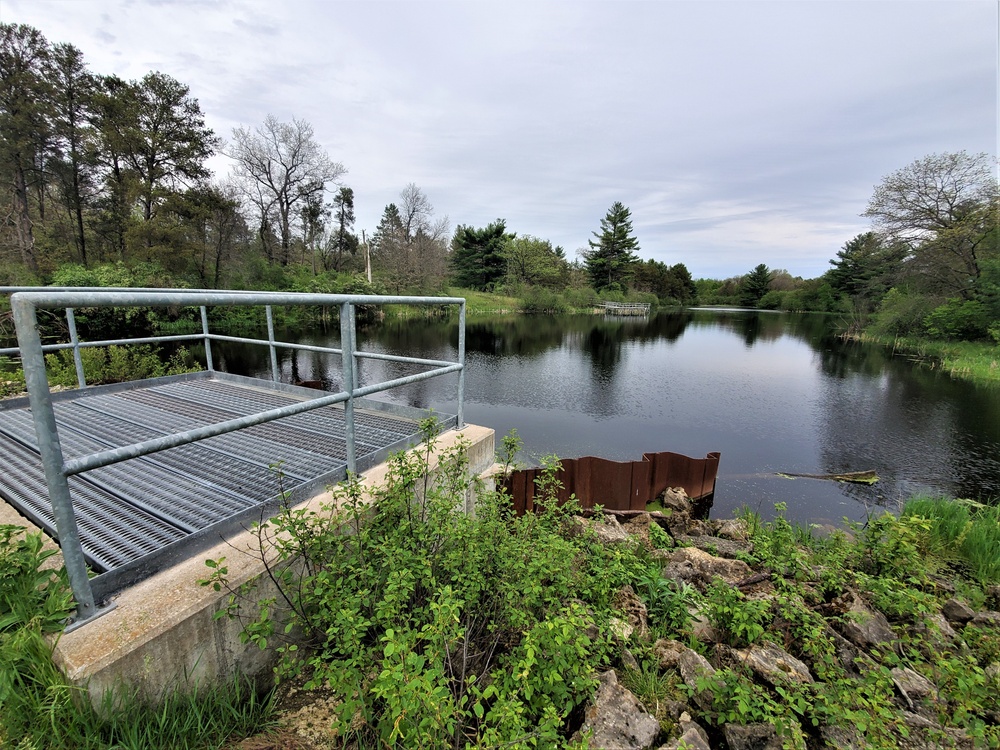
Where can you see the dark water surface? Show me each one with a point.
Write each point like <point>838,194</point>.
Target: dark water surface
<point>773,392</point>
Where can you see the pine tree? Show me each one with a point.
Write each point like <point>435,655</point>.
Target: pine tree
<point>611,259</point>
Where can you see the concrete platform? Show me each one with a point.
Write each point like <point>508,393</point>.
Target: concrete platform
<point>162,631</point>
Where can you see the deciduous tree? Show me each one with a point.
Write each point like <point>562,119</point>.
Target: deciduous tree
<point>281,166</point>
<point>942,208</point>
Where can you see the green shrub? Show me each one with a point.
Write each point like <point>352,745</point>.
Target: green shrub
<point>965,320</point>
<point>901,314</point>
<point>432,627</point>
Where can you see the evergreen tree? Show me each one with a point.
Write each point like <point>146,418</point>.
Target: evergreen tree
<point>755,285</point>
<point>477,255</point>
<point>612,257</point>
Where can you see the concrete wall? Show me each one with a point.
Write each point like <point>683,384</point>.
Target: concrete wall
<point>162,632</point>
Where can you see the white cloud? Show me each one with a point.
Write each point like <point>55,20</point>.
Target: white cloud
<point>737,132</point>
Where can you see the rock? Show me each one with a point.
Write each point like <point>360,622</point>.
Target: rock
<point>986,619</point>
<point>715,545</point>
<point>773,664</point>
<point>993,597</point>
<point>620,628</point>
<point>751,737</point>
<point>844,649</point>
<point>698,567</point>
<point>945,632</point>
<point>929,735</point>
<point>693,737</point>
<point>638,528</point>
<point>702,628</point>
<point>993,672</point>
<point>842,738</point>
<point>633,608</point>
<point>957,611</point>
<point>668,652</point>
<point>913,685</point>
<point>606,529</point>
<point>734,529</point>
<point>861,625</point>
<point>694,667</point>
<point>676,499</point>
<point>616,719</point>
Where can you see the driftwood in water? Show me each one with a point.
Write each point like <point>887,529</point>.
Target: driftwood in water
<point>857,477</point>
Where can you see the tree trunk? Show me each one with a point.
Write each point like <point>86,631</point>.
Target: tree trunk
<point>25,236</point>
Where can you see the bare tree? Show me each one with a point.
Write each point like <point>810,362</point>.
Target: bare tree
<point>410,247</point>
<point>282,169</point>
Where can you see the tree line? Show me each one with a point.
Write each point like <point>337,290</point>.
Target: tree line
<point>108,182</point>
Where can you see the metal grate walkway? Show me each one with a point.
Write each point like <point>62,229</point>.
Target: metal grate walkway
<point>142,514</point>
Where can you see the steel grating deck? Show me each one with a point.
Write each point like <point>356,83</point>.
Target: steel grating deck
<point>139,515</point>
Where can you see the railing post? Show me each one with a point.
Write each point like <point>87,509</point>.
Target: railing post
<point>347,366</point>
<point>36,381</point>
<point>275,375</point>
<point>208,342</point>
<point>75,341</point>
<point>461,361</point>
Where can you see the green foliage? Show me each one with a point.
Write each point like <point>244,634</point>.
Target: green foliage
<point>116,364</point>
<point>901,313</point>
<point>541,300</point>
<point>42,711</point>
<point>478,256</point>
<point>739,620</point>
<point>611,259</point>
<point>963,532</point>
<point>958,319</point>
<point>434,627</point>
<point>755,285</point>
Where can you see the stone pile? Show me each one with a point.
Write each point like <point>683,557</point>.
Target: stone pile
<point>707,551</point>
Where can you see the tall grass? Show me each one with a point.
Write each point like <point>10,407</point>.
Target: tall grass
<point>40,710</point>
<point>962,531</point>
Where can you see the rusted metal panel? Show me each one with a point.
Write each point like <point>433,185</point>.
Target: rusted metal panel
<point>619,485</point>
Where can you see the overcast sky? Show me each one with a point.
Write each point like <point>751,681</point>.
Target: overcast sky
<point>738,133</point>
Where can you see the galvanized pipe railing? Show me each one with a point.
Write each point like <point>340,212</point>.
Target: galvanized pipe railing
<point>25,302</point>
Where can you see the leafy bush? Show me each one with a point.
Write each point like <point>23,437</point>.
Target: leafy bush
<point>901,314</point>
<point>434,627</point>
<point>965,320</point>
<point>116,364</point>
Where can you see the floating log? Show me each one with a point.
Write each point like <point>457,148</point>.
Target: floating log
<point>855,477</point>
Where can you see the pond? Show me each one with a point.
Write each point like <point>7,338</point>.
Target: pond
<point>774,392</point>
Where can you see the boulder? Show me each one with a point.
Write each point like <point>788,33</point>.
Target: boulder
<point>616,719</point>
<point>675,499</point>
<point>638,527</point>
<point>606,529</point>
<point>986,619</point>
<point>993,597</point>
<point>861,625</point>
<point>842,738</point>
<point>693,737</point>
<point>698,567</point>
<point>716,545</point>
<point>913,685</point>
<point>957,611</point>
<point>752,737</point>
<point>734,529</point>
<point>694,668</point>
<point>668,652</point>
<point>773,664</point>
<point>633,608</point>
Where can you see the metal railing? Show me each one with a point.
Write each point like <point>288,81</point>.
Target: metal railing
<point>642,307</point>
<point>26,301</point>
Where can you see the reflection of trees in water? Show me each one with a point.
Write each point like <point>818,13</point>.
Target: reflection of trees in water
<point>916,427</point>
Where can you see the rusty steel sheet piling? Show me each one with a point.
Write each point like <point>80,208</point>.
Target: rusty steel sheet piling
<point>618,485</point>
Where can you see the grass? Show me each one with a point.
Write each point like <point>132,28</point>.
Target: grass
<point>41,710</point>
<point>966,532</point>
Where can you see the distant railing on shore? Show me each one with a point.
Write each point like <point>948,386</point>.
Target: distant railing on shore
<point>624,308</point>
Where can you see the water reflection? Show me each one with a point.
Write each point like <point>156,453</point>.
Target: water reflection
<point>774,392</point>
